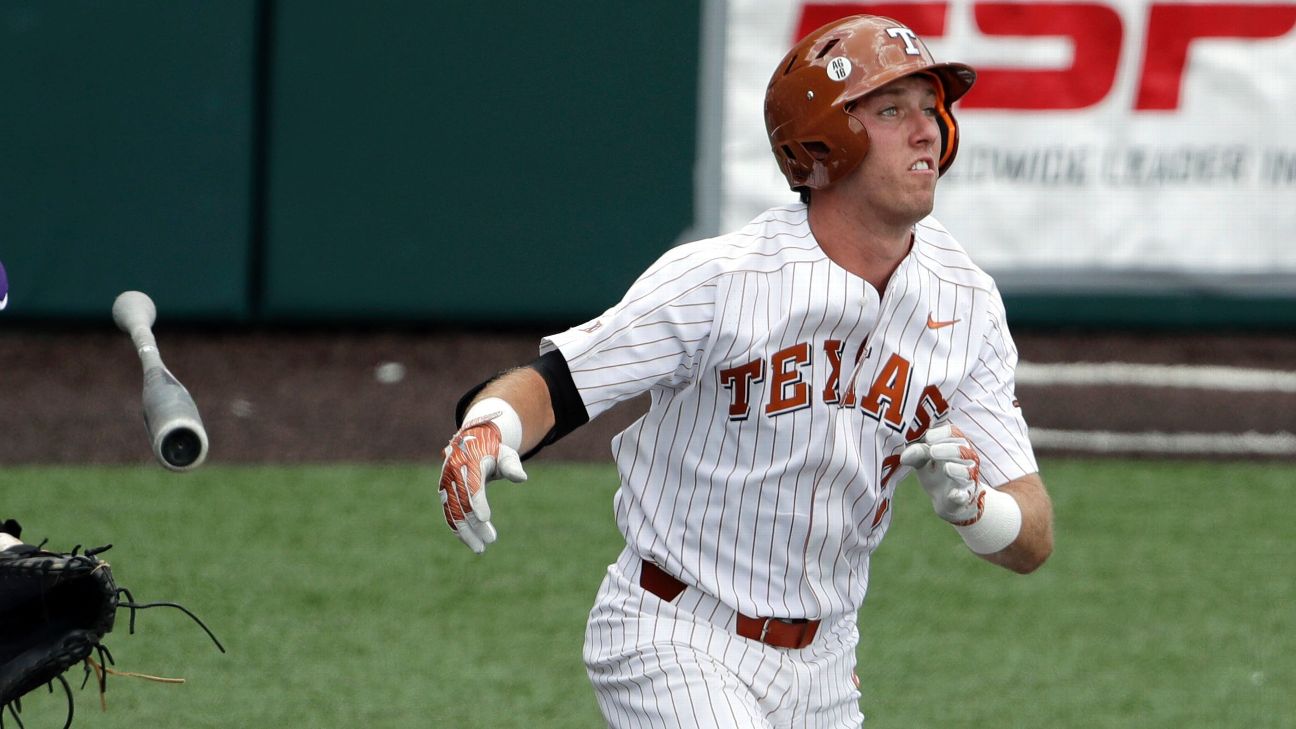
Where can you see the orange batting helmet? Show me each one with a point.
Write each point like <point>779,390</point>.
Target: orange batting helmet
<point>814,138</point>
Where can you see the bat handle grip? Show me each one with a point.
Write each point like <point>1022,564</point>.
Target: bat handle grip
<point>146,346</point>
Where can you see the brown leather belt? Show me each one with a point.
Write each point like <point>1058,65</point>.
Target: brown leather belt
<point>778,632</point>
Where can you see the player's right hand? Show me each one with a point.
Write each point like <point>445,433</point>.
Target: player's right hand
<point>474,457</point>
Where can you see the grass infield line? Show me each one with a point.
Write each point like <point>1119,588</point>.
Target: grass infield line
<point>1219,444</point>
<point>1234,379</point>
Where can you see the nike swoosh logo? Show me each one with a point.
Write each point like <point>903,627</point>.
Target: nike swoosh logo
<point>933,324</point>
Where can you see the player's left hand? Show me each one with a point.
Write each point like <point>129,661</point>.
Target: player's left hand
<point>474,457</point>
<point>949,470</point>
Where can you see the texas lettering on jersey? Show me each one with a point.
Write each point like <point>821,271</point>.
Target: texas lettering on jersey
<point>790,388</point>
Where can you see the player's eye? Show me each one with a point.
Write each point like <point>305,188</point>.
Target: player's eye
<point>930,111</point>
<point>888,111</point>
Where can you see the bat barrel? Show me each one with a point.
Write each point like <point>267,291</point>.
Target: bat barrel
<point>182,448</point>
<point>175,429</point>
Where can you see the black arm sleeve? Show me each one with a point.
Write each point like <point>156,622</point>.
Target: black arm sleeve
<point>568,408</point>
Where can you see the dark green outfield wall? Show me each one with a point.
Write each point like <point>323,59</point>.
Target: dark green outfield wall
<point>298,160</point>
<point>126,133</point>
<point>486,165</point>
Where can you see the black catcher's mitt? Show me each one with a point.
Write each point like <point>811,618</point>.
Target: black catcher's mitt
<point>55,609</point>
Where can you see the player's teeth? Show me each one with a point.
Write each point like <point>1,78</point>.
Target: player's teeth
<point>920,165</point>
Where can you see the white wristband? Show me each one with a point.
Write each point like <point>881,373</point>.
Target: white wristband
<point>1000,522</point>
<point>7,541</point>
<point>502,414</point>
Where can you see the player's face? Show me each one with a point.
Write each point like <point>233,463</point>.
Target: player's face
<point>897,179</point>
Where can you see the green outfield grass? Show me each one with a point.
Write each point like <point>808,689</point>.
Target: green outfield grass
<point>1170,600</point>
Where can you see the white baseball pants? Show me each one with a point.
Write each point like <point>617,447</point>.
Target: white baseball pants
<point>657,664</point>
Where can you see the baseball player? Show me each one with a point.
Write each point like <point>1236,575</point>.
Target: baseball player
<point>798,369</point>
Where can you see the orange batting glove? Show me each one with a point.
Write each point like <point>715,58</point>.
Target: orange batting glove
<point>949,470</point>
<point>474,457</point>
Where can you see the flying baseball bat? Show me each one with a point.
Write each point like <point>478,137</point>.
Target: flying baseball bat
<point>175,430</point>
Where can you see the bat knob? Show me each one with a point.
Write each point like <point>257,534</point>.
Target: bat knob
<point>132,310</point>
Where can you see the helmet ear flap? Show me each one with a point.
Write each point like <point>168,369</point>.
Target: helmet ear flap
<point>817,149</point>
<point>802,157</point>
<point>820,160</point>
<point>795,167</point>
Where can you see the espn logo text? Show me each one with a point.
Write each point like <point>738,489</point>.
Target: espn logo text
<point>1096,32</point>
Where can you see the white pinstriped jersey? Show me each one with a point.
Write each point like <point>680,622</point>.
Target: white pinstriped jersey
<point>782,391</point>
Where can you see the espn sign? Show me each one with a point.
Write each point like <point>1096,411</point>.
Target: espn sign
<point>1096,32</point>
<point>1108,145</point>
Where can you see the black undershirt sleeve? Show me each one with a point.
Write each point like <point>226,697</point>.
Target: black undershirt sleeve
<point>568,408</point>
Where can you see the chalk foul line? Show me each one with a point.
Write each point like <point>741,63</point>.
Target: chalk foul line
<point>1215,444</point>
<point>1203,377</point>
